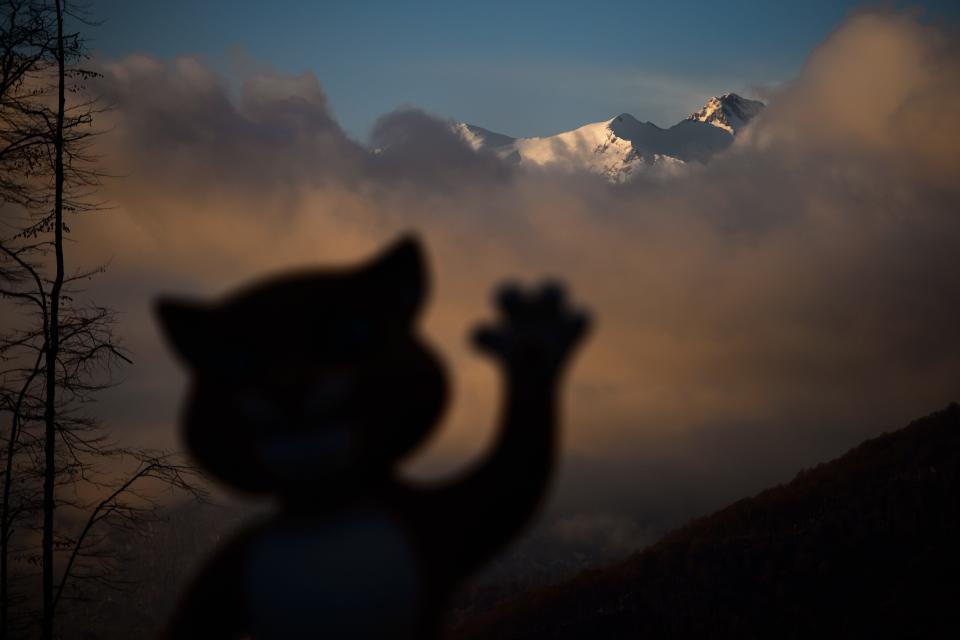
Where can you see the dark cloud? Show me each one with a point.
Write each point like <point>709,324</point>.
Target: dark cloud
<point>178,125</point>
<point>413,146</point>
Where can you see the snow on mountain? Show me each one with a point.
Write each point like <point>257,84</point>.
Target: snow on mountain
<point>621,146</point>
<point>480,138</point>
<point>729,112</point>
<point>593,147</point>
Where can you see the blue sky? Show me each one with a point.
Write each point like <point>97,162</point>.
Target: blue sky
<point>522,68</point>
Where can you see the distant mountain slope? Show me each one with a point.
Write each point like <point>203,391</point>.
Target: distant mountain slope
<point>863,546</point>
<point>620,147</point>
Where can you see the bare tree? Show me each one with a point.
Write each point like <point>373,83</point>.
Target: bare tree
<point>24,58</point>
<point>24,42</point>
<point>63,476</point>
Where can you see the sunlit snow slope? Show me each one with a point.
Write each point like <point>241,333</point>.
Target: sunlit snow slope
<point>620,147</point>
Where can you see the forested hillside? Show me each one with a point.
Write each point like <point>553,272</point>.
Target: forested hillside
<point>863,545</point>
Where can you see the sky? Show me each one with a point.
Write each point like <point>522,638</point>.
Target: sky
<point>520,68</point>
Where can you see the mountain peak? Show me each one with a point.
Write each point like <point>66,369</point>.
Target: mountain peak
<point>728,111</point>
<point>623,146</point>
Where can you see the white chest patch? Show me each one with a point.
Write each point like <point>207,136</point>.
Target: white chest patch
<point>350,577</point>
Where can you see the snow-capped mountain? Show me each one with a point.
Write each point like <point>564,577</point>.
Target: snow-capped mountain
<point>621,146</point>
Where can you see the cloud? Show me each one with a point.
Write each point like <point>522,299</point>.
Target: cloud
<point>754,315</point>
<point>178,123</point>
<point>416,148</point>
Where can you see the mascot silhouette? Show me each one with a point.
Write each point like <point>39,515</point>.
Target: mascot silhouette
<point>312,387</point>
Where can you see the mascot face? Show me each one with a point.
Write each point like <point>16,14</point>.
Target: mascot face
<point>309,378</point>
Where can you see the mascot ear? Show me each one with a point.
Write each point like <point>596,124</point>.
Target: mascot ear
<point>188,327</point>
<point>399,276</point>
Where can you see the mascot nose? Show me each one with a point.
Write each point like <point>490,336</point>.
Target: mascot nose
<point>328,394</point>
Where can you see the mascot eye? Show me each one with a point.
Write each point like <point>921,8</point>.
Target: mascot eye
<point>350,337</point>
<point>235,365</point>
<point>257,408</point>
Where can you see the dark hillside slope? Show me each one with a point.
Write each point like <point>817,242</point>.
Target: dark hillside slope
<point>865,545</point>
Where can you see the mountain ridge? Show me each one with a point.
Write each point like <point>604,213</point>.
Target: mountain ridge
<point>623,146</point>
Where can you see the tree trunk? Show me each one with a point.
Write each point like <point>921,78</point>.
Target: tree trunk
<point>6,522</point>
<point>53,341</point>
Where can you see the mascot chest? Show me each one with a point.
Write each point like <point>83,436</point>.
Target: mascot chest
<point>355,576</point>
